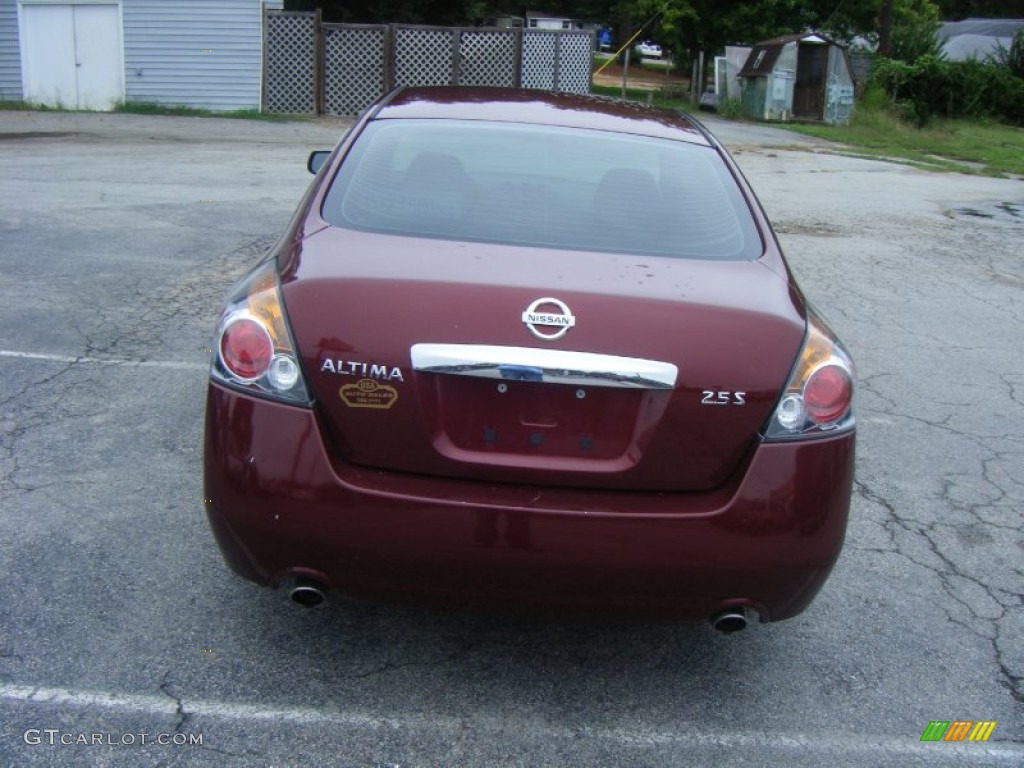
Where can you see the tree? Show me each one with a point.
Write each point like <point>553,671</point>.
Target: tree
<point>914,27</point>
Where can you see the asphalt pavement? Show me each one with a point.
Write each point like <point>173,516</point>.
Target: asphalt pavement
<point>125,641</point>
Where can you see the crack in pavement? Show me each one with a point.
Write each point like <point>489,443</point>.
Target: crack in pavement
<point>947,572</point>
<point>150,311</point>
<point>184,718</point>
<point>37,404</point>
<point>182,715</point>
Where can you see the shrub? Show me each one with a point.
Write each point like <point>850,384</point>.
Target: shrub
<point>1013,57</point>
<point>731,109</point>
<point>933,87</point>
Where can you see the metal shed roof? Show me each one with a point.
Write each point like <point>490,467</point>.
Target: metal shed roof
<point>763,55</point>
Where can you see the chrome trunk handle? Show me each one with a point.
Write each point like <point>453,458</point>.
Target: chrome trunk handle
<point>553,366</point>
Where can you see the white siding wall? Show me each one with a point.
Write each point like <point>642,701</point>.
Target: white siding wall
<point>10,52</point>
<point>197,53</point>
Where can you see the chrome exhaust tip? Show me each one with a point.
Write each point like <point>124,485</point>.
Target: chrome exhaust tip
<point>308,593</point>
<point>730,620</point>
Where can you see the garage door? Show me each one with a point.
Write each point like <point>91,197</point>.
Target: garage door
<point>72,55</point>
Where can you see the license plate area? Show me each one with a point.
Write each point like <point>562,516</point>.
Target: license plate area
<point>516,416</point>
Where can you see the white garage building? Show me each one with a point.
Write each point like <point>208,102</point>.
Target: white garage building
<point>93,54</point>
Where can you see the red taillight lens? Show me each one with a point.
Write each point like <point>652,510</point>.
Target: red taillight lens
<point>818,398</point>
<point>246,348</point>
<point>827,394</point>
<point>255,350</point>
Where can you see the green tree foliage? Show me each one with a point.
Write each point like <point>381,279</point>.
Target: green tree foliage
<point>709,25</point>
<point>923,85</point>
<point>931,87</point>
<point>692,25</point>
<point>1013,57</point>
<point>914,27</point>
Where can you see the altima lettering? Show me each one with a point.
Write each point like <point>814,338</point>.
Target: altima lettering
<point>363,370</point>
<point>723,398</point>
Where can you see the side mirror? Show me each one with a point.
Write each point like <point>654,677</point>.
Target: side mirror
<point>317,158</point>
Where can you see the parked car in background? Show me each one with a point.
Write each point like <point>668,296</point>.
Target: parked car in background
<point>528,349</point>
<point>648,50</point>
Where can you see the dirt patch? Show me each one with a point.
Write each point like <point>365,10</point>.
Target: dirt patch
<point>638,77</point>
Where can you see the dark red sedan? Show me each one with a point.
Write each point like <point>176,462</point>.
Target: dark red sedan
<point>529,349</point>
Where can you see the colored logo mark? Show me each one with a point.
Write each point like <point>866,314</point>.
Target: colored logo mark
<point>958,730</point>
<point>367,393</point>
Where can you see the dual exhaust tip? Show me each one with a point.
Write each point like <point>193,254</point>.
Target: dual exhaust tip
<point>310,593</point>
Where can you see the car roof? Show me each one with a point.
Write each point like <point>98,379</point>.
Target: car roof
<point>518,105</point>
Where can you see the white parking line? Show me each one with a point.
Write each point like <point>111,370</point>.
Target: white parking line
<point>173,364</point>
<point>769,740</point>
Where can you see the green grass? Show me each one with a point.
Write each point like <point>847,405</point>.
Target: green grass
<point>964,146</point>
<point>669,98</point>
<point>148,108</point>
<point>19,106</point>
<point>657,66</point>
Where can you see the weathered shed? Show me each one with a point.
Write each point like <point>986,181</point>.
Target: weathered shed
<point>802,77</point>
<point>92,54</point>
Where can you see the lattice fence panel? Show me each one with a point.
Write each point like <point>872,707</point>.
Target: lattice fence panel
<point>538,60</point>
<point>423,56</point>
<point>289,69</point>
<point>355,58</point>
<point>575,61</point>
<point>487,58</point>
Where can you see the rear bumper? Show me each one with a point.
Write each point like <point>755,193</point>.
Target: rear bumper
<point>280,506</point>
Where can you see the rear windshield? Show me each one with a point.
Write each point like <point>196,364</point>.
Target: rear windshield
<point>542,186</point>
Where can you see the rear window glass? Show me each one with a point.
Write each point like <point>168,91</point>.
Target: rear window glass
<point>542,186</point>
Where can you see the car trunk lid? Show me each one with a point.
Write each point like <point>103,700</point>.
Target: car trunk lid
<point>549,367</point>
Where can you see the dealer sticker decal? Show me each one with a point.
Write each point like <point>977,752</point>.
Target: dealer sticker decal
<point>367,393</point>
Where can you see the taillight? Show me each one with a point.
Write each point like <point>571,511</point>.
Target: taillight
<point>246,348</point>
<point>254,350</point>
<point>818,399</point>
<point>827,394</point>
